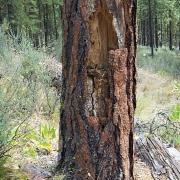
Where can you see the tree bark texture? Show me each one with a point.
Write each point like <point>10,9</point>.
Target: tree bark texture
<point>98,89</point>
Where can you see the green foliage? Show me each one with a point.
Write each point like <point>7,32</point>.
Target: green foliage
<point>47,132</point>
<point>175,113</point>
<point>40,140</point>
<point>31,152</point>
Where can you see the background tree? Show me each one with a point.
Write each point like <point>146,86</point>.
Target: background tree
<point>98,89</point>
<point>38,19</point>
<point>158,23</point>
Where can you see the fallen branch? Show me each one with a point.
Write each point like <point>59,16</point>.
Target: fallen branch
<point>154,153</point>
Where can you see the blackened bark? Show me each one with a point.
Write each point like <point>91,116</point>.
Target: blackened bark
<point>98,89</point>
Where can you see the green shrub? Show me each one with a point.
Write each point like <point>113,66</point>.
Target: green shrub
<point>40,140</point>
<point>25,89</point>
<point>175,113</point>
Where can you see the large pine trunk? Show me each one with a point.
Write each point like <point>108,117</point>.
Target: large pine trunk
<point>98,89</point>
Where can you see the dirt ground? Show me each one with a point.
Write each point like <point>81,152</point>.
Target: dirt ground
<point>142,171</point>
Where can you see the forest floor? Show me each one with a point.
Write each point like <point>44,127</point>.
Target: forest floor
<point>154,92</point>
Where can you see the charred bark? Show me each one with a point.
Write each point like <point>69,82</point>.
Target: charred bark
<point>98,89</point>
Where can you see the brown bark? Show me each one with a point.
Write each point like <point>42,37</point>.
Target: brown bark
<point>98,89</point>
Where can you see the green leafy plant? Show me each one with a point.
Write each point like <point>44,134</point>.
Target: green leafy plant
<point>40,140</point>
<point>47,131</point>
<point>175,113</point>
<point>31,152</point>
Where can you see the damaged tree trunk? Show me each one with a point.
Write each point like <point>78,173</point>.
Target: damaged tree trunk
<point>98,89</point>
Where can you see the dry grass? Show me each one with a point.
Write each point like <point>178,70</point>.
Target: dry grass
<point>154,92</point>
<point>142,171</point>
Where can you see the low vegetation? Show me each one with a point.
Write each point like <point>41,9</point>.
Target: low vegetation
<point>29,102</point>
<point>165,62</point>
<point>158,94</point>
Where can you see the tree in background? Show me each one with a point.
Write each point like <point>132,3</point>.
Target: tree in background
<point>98,89</point>
<point>158,23</point>
<point>38,19</point>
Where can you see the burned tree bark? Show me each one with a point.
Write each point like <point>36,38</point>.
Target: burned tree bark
<point>98,89</point>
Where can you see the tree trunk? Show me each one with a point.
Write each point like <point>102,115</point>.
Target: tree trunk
<point>179,36</point>
<point>46,24</point>
<point>98,89</point>
<point>54,16</point>
<point>147,32</point>
<point>151,39</point>
<point>161,43</point>
<point>156,32</point>
<point>144,33</point>
<point>40,13</point>
<point>170,32</point>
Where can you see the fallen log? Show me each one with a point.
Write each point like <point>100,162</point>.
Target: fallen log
<point>155,154</point>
